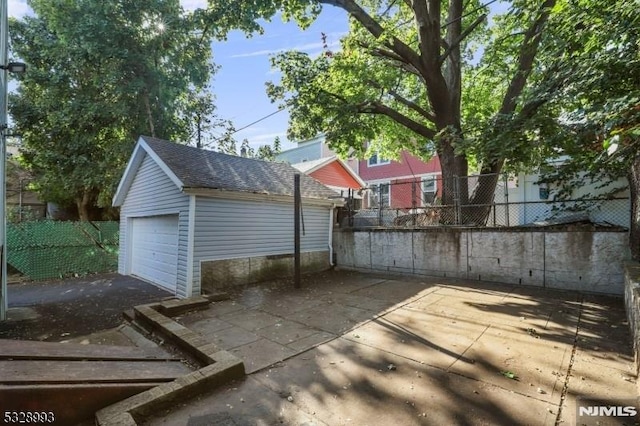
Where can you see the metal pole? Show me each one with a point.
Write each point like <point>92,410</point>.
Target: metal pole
<point>414,202</point>
<point>506,197</point>
<point>4,42</point>
<point>296,230</point>
<point>456,200</point>
<point>379,204</point>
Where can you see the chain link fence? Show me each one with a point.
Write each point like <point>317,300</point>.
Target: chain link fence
<point>419,202</point>
<point>50,249</point>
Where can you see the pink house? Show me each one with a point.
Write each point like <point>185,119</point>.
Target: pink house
<point>406,183</point>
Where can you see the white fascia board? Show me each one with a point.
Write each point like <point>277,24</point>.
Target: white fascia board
<point>141,149</point>
<point>250,196</point>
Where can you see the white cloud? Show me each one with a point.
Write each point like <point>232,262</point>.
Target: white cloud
<point>191,5</point>
<point>308,47</point>
<point>257,139</point>
<point>18,8</point>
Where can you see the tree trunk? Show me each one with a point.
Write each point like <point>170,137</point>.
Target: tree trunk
<point>147,105</point>
<point>634,226</point>
<point>83,205</point>
<point>453,194</point>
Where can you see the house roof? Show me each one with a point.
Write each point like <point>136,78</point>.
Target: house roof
<point>192,168</point>
<point>309,167</point>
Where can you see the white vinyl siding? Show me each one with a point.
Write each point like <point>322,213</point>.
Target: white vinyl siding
<point>228,229</point>
<point>304,152</point>
<point>152,193</point>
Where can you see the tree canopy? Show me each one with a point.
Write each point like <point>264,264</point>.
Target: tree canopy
<point>402,75</point>
<point>593,121</point>
<point>100,74</point>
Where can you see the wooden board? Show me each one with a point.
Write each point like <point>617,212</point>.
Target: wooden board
<point>52,372</point>
<point>25,349</point>
<point>66,404</point>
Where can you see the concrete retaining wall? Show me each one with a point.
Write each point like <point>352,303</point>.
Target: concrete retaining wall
<point>576,260</point>
<point>632,304</point>
<point>221,274</point>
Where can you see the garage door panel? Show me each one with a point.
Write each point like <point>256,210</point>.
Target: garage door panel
<point>155,249</point>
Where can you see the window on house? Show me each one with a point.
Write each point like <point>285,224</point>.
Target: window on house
<point>380,195</point>
<point>377,160</point>
<point>429,189</point>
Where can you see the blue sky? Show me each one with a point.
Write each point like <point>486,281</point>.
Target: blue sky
<point>239,85</point>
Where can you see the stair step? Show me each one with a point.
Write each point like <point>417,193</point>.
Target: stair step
<point>56,372</point>
<point>23,349</point>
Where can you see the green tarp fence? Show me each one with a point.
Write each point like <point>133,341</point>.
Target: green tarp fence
<point>51,249</point>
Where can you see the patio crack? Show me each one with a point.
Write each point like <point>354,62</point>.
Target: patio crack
<point>468,347</point>
<point>565,387</point>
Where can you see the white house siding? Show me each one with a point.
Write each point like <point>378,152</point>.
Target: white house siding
<point>526,205</point>
<point>153,193</point>
<point>228,229</point>
<point>304,152</point>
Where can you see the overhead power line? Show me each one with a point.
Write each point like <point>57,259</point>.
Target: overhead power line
<point>251,124</point>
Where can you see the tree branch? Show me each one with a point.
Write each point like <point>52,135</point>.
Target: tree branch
<point>393,3</point>
<point>374,27</point>
<point>414,126</point>
<point>397,60</point>
<point>465,34</point>
<point>406,102</point>
<point>527,54</point>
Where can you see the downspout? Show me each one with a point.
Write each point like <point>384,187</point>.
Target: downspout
<point>331,235</point>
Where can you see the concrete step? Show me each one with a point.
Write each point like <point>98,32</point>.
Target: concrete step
<point>72,381</point>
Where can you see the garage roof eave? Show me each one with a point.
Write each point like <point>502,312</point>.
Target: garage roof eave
<point>259,196</point>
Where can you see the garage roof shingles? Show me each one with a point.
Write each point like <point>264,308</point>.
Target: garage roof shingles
<point>198,168</point>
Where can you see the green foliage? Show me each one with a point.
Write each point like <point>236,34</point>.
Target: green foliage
<point>100,74</point>
<point>593,118</point>
<point>269,152</point>
<point>367,95</point>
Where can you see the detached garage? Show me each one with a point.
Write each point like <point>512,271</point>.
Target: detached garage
<point>193,219</point>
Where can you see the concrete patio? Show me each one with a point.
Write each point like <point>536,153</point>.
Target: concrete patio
<point>356,349</point>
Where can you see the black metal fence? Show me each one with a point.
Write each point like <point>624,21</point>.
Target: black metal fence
<point>419,202</point>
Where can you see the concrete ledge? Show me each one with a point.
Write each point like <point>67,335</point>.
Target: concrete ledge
<point>141,406</point>
<point>174,307</point>
<point>632,305</point>
<point>219,367</point>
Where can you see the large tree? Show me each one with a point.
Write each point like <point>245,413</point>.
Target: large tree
<point>100,74</point>
<point>594,120</point>
<point>399,80</point>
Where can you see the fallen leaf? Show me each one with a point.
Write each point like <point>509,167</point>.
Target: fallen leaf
<point>510,375</point>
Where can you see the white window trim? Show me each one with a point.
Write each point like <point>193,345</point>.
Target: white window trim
<point>371,192</point>
<point>378,162</point>
<point>434,178</point>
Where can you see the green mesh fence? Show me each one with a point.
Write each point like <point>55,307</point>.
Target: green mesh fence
<point>49,249</point>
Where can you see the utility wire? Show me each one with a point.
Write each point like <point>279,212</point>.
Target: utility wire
<point>482,6</point>
<point>250,124</point>
<point>283,108</point>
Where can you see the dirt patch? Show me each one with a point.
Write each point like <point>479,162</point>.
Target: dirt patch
<point>62,310</point>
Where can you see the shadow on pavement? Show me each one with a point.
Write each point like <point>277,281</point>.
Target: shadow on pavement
<point>402,351</point>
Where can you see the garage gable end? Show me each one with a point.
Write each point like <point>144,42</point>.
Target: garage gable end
<point>140,152</point>
<point>154,218</point>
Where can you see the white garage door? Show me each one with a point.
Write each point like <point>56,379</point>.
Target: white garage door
<point>154,250</point>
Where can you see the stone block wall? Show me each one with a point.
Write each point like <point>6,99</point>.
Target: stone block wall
<point>222,274</point>
<point>632,304</point>
<point>576,260</point>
